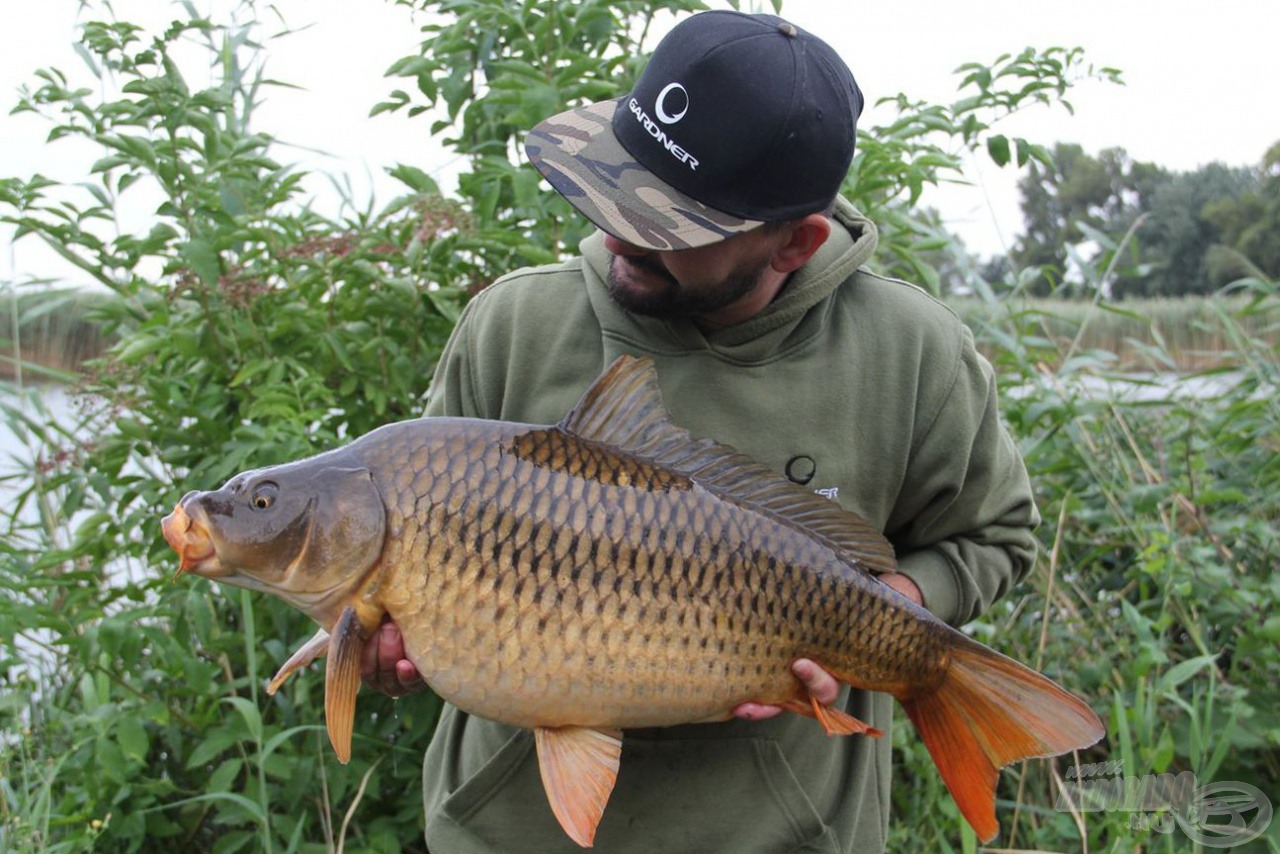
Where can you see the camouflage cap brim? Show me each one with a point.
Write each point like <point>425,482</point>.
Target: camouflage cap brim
<point>578,154</point>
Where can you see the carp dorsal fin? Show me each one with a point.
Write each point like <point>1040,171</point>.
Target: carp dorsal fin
<point>623,409</point>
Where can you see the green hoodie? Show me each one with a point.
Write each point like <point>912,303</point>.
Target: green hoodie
<point>864,388</point>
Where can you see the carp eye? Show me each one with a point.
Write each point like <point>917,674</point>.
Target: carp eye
<point>264,495</point>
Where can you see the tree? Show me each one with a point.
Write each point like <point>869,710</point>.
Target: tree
<point>1174,241</point>
<point>1248,228</point>
<point>1073,192</point>
<point>1192,228</point>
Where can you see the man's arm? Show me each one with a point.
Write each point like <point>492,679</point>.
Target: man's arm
<point>963,524</point>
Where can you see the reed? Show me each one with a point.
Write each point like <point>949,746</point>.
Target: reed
<point>1160,334</point>
<point>49,329</point>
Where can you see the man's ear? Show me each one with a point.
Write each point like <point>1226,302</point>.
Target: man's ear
<point>806,237</point>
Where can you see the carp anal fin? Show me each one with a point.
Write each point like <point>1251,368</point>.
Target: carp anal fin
<point>315,648</point>
<point>342,681</point>
<point>834,721</point>
<point>623,409</point>
<point>579,766</point>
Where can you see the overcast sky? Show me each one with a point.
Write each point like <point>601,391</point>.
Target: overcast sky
<point>1202,84</point>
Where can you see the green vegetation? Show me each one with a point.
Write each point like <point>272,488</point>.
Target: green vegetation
<point>1195,231</point>
<point>132,710</point>
<point>1154,592</point>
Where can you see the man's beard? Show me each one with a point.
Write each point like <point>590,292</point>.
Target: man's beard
<point>673,301</point>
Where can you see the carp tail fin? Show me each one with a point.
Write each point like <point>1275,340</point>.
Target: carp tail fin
<point>988,712</point>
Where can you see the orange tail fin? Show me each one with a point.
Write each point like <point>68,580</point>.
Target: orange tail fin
<point>990,711</point>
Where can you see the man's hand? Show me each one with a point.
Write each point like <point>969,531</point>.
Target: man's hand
<point>383,666</point>
<point>821,684</point>
<point>904,585</point>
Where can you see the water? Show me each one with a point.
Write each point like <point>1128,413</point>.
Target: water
<point>57,416</point>
<point>20,447</point>
<point>1141,388</point>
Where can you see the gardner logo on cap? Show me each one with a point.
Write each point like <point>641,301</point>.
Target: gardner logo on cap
<point>664,115</point>
<point>680,102</point>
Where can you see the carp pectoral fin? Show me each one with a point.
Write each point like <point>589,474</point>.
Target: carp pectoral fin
<point>342,682</point>
<point>579,766</point>
<point>834,721</point>
<point>305,654</point>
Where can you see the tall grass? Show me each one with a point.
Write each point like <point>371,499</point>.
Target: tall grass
<point>1154,334</point>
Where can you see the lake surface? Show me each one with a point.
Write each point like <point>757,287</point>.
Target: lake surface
<point>18,452</point>
<point>1143,388</point>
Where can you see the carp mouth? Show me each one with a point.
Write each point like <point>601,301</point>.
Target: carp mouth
<point>190,539</point>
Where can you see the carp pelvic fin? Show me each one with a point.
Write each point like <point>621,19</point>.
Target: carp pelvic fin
<point>315,648</point>
<point>834,721</point>
<point>990,711</point>
<point>342,681</point>
<point>579,766</point>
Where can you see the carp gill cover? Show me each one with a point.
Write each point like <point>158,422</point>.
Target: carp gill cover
<point>609,572</point>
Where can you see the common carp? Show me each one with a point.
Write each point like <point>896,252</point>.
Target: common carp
<point>609,572</point>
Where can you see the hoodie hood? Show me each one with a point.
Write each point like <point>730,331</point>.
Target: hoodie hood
<point>785,323</point>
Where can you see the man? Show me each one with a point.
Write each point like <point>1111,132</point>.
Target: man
<point>728,259</point>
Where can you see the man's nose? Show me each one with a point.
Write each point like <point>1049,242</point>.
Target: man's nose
<point>621,247</point>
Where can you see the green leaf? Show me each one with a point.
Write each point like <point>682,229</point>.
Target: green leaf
<point>226,774</point>
<point>281,737</point>
<point>214,743</point>
<point>132,737</point>
<point>414,178</point>
<point>241,801</point>
<point>1024,151</point>
<point>248,711</point>
<point>998,148</point>
<point>203,260</point>
<point>1184,670</point>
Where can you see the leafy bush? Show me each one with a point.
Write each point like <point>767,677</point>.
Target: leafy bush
<point>250,330</point>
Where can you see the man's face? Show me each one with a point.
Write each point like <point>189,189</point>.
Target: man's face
<point>697,283</point>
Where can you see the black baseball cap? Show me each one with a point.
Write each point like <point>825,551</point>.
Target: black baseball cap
<point>736,121</point>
